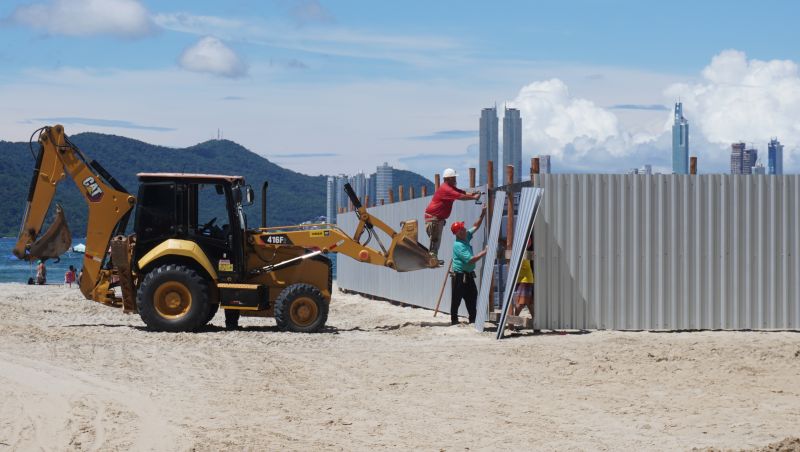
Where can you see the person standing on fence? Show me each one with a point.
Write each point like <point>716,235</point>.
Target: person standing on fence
<point>441,205</point>
<point>462,283</point>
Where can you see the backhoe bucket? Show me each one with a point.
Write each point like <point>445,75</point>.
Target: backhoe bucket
<point>408,255</point>
<point>55,242</point>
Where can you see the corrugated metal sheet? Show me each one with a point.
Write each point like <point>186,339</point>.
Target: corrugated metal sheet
<point>418,288</point>
<point>488,261</point>
<point>668,252</point>
<point>528,209</point>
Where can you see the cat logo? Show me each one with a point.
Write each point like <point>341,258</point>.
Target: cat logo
<point>93,191</point>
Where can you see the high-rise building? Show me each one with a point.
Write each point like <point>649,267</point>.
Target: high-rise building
<point>383,183</point>
<point>544,164</point>
<point>759,169</point>
<point>512,142</point>
<point>341,196</point>
<point>488,145</point>
<point>359,184</point>
<point>680,142</point>
<point>742,159</point>
<point>371,189</point>
<point>330,210</point>
<point>774,157</point>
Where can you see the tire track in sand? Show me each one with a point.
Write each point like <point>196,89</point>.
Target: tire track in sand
<point>55,401</point>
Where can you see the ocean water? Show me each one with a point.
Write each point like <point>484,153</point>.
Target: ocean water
<point>15,270</point>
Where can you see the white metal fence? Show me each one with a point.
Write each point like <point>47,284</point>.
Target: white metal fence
<point>668,252</point>
<point>660,252</point>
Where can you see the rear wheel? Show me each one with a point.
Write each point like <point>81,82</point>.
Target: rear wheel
<point>173,298</point>
<point>301,308</point>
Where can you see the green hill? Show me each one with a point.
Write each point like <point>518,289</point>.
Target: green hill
<point>292,198</point>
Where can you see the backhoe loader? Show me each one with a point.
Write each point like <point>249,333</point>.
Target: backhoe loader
<point>178,267</point>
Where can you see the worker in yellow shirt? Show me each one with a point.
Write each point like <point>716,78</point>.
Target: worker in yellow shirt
<point>524,290</point>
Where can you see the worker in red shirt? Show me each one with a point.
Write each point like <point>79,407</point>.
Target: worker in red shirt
<point>441,205</point>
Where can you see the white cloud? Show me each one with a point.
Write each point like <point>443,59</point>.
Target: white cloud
<point>211,55</point>
<point>557,123</point>
<point>744,100</point>
<point>122,18</point>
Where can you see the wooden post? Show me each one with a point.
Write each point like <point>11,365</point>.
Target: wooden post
<point>510,197</point>
<point>400,193</point>
<point>534,171</point>
<point>510,225</point>
<point>693,165</point>
<point>411,192</point>
<point>391,196</point>
<point>436,182</point>
<point>490,200</point>
<point>382,200</point>
<point>472,178</point>
<point>424,191</point>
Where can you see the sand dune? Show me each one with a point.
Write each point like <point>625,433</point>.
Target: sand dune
<point>75,375</point>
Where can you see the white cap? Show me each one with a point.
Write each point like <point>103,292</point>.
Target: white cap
<point>449,172</point>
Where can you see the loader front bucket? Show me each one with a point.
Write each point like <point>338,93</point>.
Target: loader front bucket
<point>409,255</point>
<point>55,242</point>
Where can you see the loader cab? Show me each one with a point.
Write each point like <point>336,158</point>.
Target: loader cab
<point>203,209</point>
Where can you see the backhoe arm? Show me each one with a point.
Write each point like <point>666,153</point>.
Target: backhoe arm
<point>404,253</point>
<point>109,208</point>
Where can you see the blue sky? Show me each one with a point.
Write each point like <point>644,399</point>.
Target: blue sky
<point>326,87</point>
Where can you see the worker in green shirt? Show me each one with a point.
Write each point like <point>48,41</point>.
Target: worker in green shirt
<point>462,280</point>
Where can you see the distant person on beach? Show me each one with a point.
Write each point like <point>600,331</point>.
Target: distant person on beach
<point>463,275</point>
<point>69,276</point>
<point>441,205</point>
<point>41,273</point>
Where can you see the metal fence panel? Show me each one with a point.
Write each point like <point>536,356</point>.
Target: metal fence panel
<point>488,262</point>
<point>418,288</point>
<point>668,252</point>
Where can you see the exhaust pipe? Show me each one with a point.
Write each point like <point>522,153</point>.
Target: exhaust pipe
<point>264,204</point>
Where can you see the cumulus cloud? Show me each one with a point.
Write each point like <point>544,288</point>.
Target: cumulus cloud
<point>210,55</point>
<point>741,99</point>
<point>122,18</point>
<point>554,122</point>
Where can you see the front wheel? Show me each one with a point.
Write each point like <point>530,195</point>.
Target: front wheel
<point>301,308</point>
<point>173,298</point>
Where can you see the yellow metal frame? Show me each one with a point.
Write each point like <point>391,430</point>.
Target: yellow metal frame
<point>178,247</point>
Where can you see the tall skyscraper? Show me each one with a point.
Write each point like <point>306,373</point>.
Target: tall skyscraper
<point>512,142</point>
<point>330,210</point>
<point>742,159</point>
<point>341,196</point>
<point>488,145</point>
<point>680,142</point>
<point>544,164</point>
<point>359,184</point>
<point>383,183</point>
<point>371,189</point>
<point>774,157</point>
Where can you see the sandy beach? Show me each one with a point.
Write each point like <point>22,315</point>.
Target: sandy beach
<point>76,375</point>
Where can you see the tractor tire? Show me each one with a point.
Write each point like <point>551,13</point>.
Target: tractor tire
<point>173,298</point>
<point>301,308</point>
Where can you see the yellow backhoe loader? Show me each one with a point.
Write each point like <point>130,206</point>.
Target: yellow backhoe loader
<point>179,266</point>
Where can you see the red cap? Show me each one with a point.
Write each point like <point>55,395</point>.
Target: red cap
<point>457,226</point>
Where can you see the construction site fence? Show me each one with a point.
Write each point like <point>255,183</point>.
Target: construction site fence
<point>640,252</point>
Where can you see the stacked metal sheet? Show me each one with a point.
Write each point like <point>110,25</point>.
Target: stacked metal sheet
<point>526,216</point>
<point>488,261</point>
